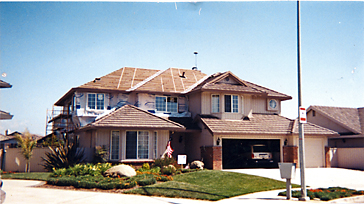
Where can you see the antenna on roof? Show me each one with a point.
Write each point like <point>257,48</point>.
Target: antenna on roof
<point>195,67</point>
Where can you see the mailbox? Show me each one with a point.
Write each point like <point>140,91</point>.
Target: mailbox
<point>288,170</point>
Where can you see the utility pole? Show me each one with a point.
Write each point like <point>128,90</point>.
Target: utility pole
<point>300,124</point>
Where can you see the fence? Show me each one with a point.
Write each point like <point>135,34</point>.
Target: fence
<point>14,160</point>
<point>350,158</point>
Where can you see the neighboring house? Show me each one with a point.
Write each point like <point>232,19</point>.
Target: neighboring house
<point>348,122</point>
<point>134,112</point>
<point>5,115</point>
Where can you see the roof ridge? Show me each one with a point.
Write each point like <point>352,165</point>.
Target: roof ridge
<point>146,80</point>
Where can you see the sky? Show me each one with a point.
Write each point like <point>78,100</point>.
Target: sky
<point>46,48</point>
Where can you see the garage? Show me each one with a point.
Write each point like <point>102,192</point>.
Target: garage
<point>237,153</point>
<point>314,152</point>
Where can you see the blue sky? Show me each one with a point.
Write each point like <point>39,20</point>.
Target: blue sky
<point>46,48</point>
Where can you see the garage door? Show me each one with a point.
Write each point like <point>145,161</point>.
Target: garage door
<point>314,152</point>
<point>236,151</point>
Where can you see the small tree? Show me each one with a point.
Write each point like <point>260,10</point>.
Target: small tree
<point>27,144</point>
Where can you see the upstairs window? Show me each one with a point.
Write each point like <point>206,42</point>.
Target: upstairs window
<point>215,103</point>
<point>231,103</point>
<point>95,101</point>
<point>166,104</point>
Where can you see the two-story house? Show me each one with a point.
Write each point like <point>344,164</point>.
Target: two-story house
<point>134,112</point>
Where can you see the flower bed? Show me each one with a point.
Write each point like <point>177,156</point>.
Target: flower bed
<point>326,194</point>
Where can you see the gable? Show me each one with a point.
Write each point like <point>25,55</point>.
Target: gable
<point>336,118</point>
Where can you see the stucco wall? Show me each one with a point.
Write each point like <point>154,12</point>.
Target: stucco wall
<point>351,158</point>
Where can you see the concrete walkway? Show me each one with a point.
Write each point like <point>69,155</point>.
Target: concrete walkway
<point>22,191</point>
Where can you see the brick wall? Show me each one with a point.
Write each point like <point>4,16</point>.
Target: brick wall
<point>212,157</point>
<point>290,154</point>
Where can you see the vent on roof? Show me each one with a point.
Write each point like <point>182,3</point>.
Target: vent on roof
<point>246,118</point>
<point>96,79</point>
<point>195,67</point>
<point>183,75</point>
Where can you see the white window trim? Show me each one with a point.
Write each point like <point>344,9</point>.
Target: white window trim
<point>137,150</point>
<point>111,149</point>
<point>212,104</point>
<point>87,108</point>
<point>232,103</point>
<point>166,111</point>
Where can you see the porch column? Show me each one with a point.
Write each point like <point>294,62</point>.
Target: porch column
<point>290,154</point>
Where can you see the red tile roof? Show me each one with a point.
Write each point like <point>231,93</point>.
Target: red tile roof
<point>131,117</point>
<point>261,124</point>
<point>347,117</point>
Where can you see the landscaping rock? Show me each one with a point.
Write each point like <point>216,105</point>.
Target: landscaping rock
<point>197,165</point>
<point>120,170</point>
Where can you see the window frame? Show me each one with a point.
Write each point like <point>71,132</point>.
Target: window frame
<point>234,103</point>
<point>111,145</point>
<point>95,102</point>
<point>138,151</point>
<point>213,105</point>
<point>168,108</point>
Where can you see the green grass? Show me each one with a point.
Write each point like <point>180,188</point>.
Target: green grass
<point>210,185</point>
<point>42,176</point>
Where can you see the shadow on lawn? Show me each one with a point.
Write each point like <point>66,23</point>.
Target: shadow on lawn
<point>150,193</point>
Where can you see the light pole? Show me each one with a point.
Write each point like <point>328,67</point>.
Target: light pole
<point>300,124</point>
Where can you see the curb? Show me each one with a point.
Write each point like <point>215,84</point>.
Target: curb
<point>355,199</point>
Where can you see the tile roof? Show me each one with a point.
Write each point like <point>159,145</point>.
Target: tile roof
<point>213,83</point>
<point>261,124</point>
<point>347,117</point>
<point>5,115</point>
<point>130,116</point>
<point>4,84</point>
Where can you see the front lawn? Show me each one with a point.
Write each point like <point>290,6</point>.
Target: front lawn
<point>42,176</point>
<point>210,185</point>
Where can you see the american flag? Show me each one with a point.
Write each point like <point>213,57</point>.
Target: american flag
<point>169,149</point>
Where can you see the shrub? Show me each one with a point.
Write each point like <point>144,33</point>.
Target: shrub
<point>161,162</point>
<point>147,181</point>
<point>63,156</point>
<point>101,154</point>
<point>168,170</point>
<point>146,166</point>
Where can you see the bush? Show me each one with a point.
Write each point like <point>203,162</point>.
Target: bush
<point>161,162</point>
<point>146,166</point>
<point>326,194</point>
<point>63,156</point>
<point>148,181</point>
<point>168,170</point>
<point>82,169</point>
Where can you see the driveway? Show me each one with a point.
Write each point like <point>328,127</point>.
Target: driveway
<point>316,177</point>
<point>23,191</point>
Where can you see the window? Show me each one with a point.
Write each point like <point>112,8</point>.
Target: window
<point>242,104</point>
<point>215,103</point>
<point>166,104</point>
<point>95,101</point>
<point>154,146</point>
<point>115,138</point>
<point>231,103</point>
<point>137,145</point>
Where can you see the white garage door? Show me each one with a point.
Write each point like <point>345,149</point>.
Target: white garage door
<point>314,152</point>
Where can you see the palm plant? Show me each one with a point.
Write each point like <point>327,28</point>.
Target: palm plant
<point>27,144</point>
<point>63,156</point>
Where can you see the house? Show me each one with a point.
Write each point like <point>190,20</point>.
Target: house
<point>348,122</point>
<point>346,150</point>
<point>134,112</point>
<point>5,115</point>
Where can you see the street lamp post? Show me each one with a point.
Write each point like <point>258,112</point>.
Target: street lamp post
<point>300,124</point>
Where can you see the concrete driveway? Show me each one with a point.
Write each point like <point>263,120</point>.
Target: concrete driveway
<point>316,177</point>
<point>22,191</point>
